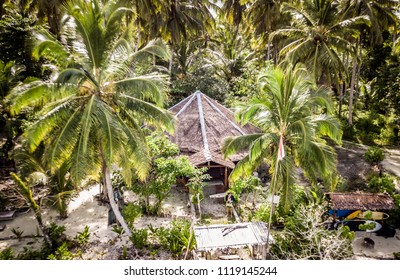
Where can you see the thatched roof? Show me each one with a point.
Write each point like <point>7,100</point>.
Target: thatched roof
<point>361,201</point>
<point>202,126</point>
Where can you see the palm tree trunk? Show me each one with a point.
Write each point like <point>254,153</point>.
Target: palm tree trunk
<point>42,228</point>
<point>26,192</point>
<point>269,50</point>
<point>171,60</point>
<point>342,90</point>
<point>357,89</point>
<point>273,185</point>
<point>315,65</point>
<point>351,97</point>
<point>138,38</point>
<point>275,54</point>
<point>199,205</point>
<point>113,204</point>
<point>1,8</point>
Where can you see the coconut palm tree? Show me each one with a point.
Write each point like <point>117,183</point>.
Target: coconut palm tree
<point>381,15</point>
<point>178,19</point>
<point>293,110</point>
<point>234,11</point>
<point>263,17</point>
<point>318,37</point>
<point>229,52</point>
<point>92,110</point>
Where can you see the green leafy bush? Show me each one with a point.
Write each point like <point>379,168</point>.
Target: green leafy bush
<point>177,238</point>
<point>7,254</point>
<point>245,186</point>
<point>56,234</point>
<point>139,238</point>
<point>382,183</point>
<point>62,253</point>
<point>118,230</point>
<point>82,238</point>
<point>374,155</point>
<point>131,212</point>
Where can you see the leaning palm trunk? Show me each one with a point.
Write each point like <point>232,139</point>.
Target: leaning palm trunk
<point>26,192</point>
<point>113,204</point>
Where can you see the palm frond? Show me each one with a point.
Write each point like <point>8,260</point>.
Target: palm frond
<point>67,137</point>
<point>154,47</point>
<point>232,145</point>
<point>148,88</point>
<point>25,95</point>
<point>49,122</point>
<point>149,112</point>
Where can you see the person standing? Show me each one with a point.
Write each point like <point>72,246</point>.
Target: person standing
<point>229,200</point>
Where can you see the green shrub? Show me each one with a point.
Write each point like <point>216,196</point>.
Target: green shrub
<point>7,254</point>
<point>394,215</point>
<point>118,230</point>
<point>384,183</point>
<point>367,127</point>
<point>62,253</point>
<point>374,155</point>
<point>349,132</point>
<point>131,212</point>
<point>262,214</point>
<point>139,238</point>
<point>18,233</point>
<point>28,254</point>
<point>177,238</point>
<point>82,238</point>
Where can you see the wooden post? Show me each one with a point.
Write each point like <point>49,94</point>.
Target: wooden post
<point>264,252</point>
<point>199,205</point>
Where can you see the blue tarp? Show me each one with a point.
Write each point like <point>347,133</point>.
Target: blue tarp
<point>340,213</point>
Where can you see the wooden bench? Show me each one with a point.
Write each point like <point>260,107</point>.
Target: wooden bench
<point>7,215</point>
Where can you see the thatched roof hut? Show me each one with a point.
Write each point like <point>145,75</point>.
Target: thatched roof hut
<point>361,201</point>
<point>202,126</point>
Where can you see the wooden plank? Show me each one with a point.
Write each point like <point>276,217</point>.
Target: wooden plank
<point>6,216</point>
<point>229,257</point>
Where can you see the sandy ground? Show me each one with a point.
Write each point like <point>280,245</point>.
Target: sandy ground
<point>383,248</point>
<point>86,210</point>
<point>392,161</point>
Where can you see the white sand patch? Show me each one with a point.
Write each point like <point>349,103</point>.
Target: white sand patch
<point>383,248</point>
<point>83,197</point>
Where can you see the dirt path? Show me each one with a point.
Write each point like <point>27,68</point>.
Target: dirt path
<point>392,161</point>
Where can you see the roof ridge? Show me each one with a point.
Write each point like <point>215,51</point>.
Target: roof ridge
<point>207,153</point>
<point>186,105</point>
